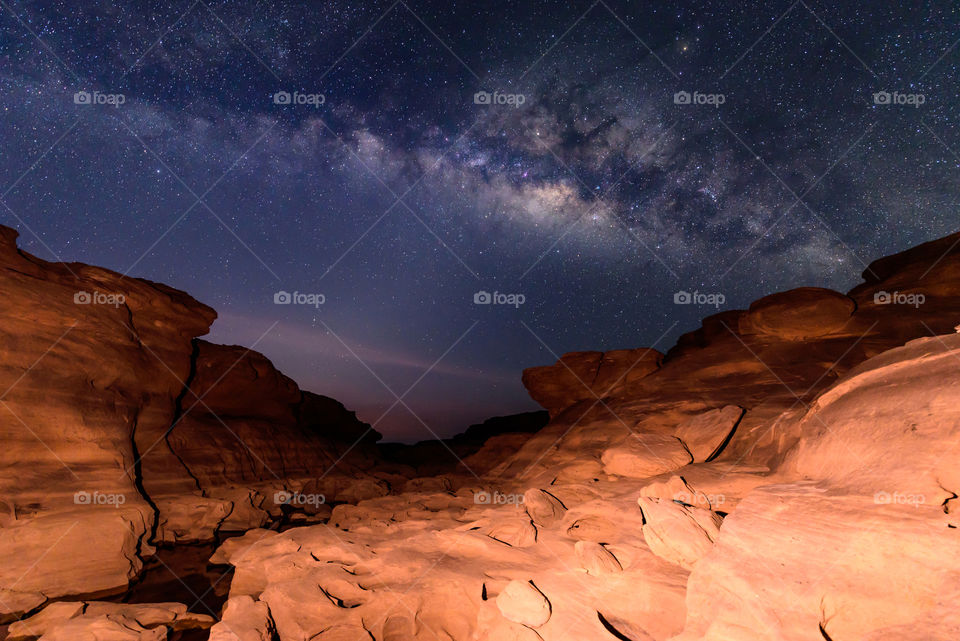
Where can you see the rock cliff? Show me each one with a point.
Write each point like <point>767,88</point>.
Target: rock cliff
<point>120,427</point>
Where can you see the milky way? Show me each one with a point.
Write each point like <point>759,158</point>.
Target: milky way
<point>590,159</point>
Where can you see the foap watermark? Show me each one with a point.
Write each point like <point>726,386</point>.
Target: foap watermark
<point>899,298</point>
<point>98,498</point>
<point>498,298</point>
<point>498,98</point>
<point>98,98</point>
<point>497,498</point>
<point>699,499</point>
<point>297,499</point>
<point>897,98</point>
<point>298,98</point>
<point>98,298</point>
<point>298,298</point>
<point>697,98</point>
<point>684,297</point>
<point>899,498</point>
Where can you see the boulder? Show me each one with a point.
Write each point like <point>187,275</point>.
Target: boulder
<point>799,314</point>
<point>646,455</point>
<point>595,559</point>
<point>678,533</point>
<point>244,619</point>
<point>521,602</point>
<point>543,508</point>
<point>589,376</point>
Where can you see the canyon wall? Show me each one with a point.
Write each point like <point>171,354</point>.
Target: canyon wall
<point>122,429</point>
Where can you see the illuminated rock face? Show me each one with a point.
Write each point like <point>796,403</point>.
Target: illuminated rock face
<point>95,370</point>
<point>579,376</point>
<point>785,472</point>
<point>93,364</point>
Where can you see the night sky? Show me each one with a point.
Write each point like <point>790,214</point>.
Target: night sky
<point>586,184</point>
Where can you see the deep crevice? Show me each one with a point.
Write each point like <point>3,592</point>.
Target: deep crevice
<point>138,483</point>
<point>726,441</point>
<point>178,411</point>
<point>609,627</point>
<point>823,633</point>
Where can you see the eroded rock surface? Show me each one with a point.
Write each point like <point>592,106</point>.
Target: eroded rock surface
<point>121,429</point>
<point>784,472</point>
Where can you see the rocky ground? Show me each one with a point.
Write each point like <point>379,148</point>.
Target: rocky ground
<point>784,472</point>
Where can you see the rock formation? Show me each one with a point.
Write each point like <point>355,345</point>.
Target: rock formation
<point>122,430</point>
<point>789,471</point>
<point>471,452</point>
<point>785,472</point>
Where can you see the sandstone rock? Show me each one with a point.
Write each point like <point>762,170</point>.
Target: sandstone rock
<point>675,488</point>
<point>92,363</point>
<point>587,376</point>
<point>678,533</point>
<point>244,620</point>
<point>562,384</point>
<point>706,434</point>
<point>239,544</point>
<point>938,624</point>
<point>798,314</point>
<point>839,482</point>
<point>492,625</point>
<point>150,615</point>
<point>103,628</point>
<point>473,451</point>
<point>543,508</point>
<point>52,615</point>
<point>343,632</point>
<point>15,602</point>
<point>756,360</point>
<point>299,608</point>
<point>428,484</point>
<point>596,559</point>
<point>646,455</point>
<point>521,602</point>
<point>133,427</point>
<point>853,567</point>
<point>51,552</point>
<point>620,368</point>
<point>516,532</point>
<point>592,528</point>
<point>873,474</point>
<point>243,421</point>
<point>190,517</point>
<point>398,628</point>
<point>102,619</point>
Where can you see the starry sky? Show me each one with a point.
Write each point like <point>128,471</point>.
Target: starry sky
<point>584,161</point>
